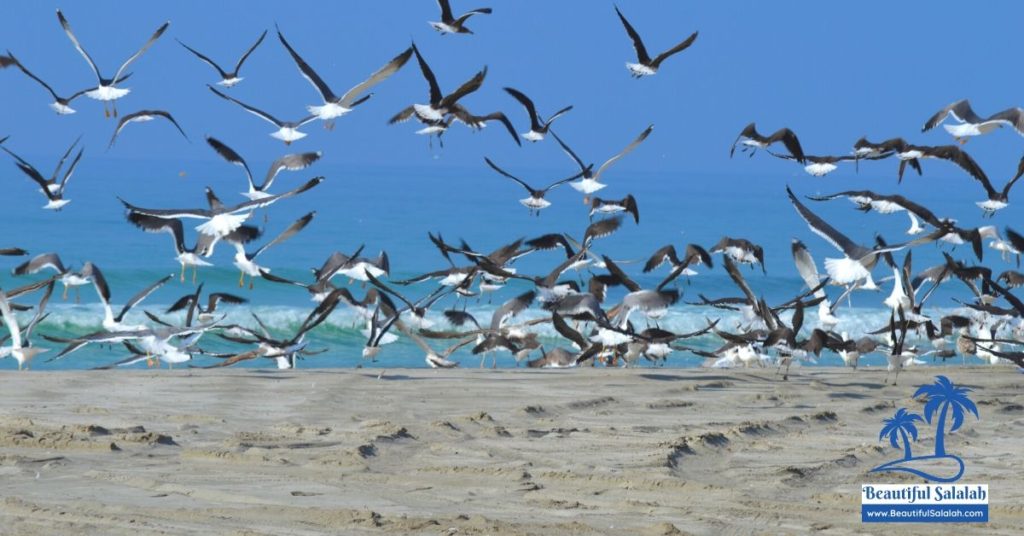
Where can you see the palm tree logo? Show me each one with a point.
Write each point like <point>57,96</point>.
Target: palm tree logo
<point>901,429</point>
<point>945,400</point>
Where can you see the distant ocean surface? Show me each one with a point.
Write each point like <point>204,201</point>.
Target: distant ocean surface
<point>392,209</point>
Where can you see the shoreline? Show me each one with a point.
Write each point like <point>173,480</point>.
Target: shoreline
<point>507,451</point>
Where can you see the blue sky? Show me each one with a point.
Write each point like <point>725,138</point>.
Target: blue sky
<point>830,71</point>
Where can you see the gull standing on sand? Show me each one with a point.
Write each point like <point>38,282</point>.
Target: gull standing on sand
<point>107,90</point>
<point>227,79</point>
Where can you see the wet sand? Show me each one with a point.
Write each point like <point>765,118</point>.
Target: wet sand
<point>595,451</point>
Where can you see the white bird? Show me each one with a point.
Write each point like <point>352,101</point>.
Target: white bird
<point>22,350</point>
<point>287,131</point>
<point>590,182</point>
<point>289,162</point>
<point>107,90</point>
<point>971,124</point>
<point>335,106</point>
<point>227,79</point>
<point>449,23</point>
<point>60,105</point>
<point>51,188</point>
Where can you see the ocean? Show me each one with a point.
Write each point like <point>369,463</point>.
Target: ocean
<point>393,209</point>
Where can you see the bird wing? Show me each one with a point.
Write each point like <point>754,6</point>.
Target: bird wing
<point>468,87</point>
<point>737,277</point>
<point>308,72</point>
<point>208,61</point>
<point>1013,116</point>
<point>36,78</point>
<point>505,173</point>
<point>381,75</point>
<point>821,228</point>
<point>435,90</point>
<point>141,295</point>
<point>231,156</point>
<point>527,103</point>
<point>1020,172</point>
<point>629,148</point>
<point>153,224</point>
<point>291,162</point>
<point>292,229</point>
<point>266,201</point>
<point>152,39</point>
<point>674,50</point>
<point>446,10</point>
<point>70,171</point>
<point>33,174</point>
<point>666,253</point>
<point>479,11</point>
<point>960,157</point>
<point>238,66</point>
<point>638,44</point>
<point>620,275</point>
<point>10,321</point>
<point>556,184</point>
<point>255,111</point>
<point>74,40</point>
<point>569,152</point>
<point>789,139</point>
<point>144,114</point>
<point>806,267</point>
<point>960,110</point>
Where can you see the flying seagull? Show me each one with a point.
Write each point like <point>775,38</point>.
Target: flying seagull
<point>752,140</point>
<point>290,162</point>
<point>107,90</point>
<point>227,79</point>
<point>536,201</point>
<point>51,188</point>
<point>590,182</point>
<point>335,106</point>
<point>440,105</point>
<point>142,116</point>
<point>478,122</point>
<point>450,24</point>
<point>221,219</point>
<point>246,262</point>
<point>647,66</point>
<point>287,131</point>
<point>857,262</point>
<point>538,128</point>
<point>185,255</point>
<point>614,206</point>
<point>61,105</point>
<point>971,124</point>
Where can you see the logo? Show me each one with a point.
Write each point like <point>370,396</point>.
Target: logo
<point>946,408</point>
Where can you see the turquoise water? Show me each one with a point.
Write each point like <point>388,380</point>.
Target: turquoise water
<point>392,209</point>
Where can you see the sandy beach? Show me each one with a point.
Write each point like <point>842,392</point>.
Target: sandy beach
<point>642,451</point>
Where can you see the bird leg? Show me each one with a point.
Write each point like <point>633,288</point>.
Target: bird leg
<point>64,296</point>
<point>78,296</point>
<point>149,360</point>
<point>182,272</point>
<point>252,282</point>
<point>195,273</point>
<point>482,359</point>
<point>241,279</point>
<point>586,200</point>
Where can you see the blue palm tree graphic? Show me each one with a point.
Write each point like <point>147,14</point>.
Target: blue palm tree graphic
<point>944,396</point>
<point>944,399</point>
<point>898,428</point>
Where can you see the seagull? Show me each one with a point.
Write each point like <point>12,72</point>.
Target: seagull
<point>808,270</point>
<point>647,66</point>
<point>107,90</point>
<point>450,24</point>
<point>857,261</point>
<point>610,206</point>
<point>23,351</point>
<point>142,116</point>
<point>997,199</point>
<point>67,277</point>
<point>290,162</point>
<point>753,140</point>
<point>287,131</point>
<point>971,124</point>
<point>116,323</point>
<point>818,166</point>
<point>536,201</point>
<point>354,266</point>
<point>440,105</point>
<point>909,153</point>
<point>694,255</point>
<point>246,262</point>
<point>478,122</point>
<point>194,307</point>
<point>60,105</point>
<point>53,190</point>
<point>221,219</point>
<point>590,182</point>
<point>184,255</point>
<point>538,128</point>
<point>335,106</point>
<point>888,204</point>
<point>741,250</point>
<point>227,79</point>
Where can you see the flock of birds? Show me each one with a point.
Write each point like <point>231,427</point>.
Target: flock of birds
<point>594,330</point>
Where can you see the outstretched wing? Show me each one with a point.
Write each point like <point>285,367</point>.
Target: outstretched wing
<point>308,71</point>
<point>382,74</point>
<point>74,40</point>
<point>509,175</point>
<point>638,44</point>
<point>152,39</point>
<point>255,111</point>
<point>238,66</point>
<point>208,61</point>
<point>629,148</point>
<point>674,50</point>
